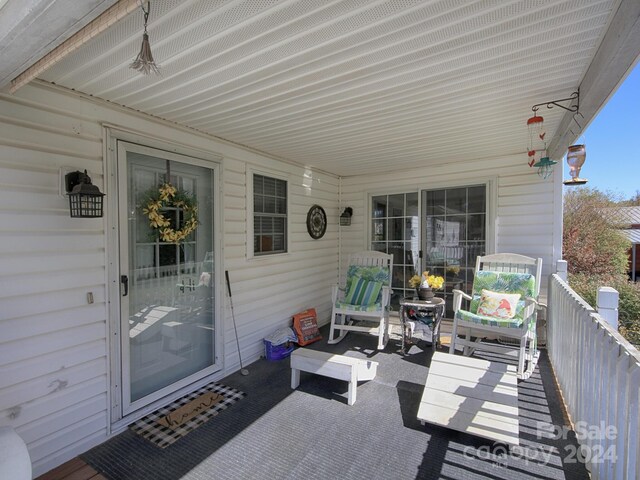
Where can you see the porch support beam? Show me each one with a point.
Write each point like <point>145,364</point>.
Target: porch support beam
<point>612,62</point>
<point>103,21</point>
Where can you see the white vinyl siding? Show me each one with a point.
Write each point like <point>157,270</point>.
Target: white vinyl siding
<point>55,360</point>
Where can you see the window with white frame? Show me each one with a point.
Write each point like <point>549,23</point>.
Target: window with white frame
<point>269,215</point>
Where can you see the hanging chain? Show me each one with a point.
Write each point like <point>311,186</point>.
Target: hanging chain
<point>144,62</point>
<point>146,13</point>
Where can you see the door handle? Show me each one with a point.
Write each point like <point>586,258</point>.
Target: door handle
<point>125,281</point>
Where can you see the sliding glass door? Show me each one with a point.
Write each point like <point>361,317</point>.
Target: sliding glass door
<point>395,230</point>
<point>453,235</point>
<point>443,233</point>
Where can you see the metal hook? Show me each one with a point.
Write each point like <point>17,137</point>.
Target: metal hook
<point>574,119</point>
<point>554,103</point>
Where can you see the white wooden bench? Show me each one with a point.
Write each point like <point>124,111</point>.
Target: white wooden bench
<point>334,366</point>
<point>472,395</point>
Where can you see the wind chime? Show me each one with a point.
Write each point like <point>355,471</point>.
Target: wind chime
<point>538,157</point>
<point>535,125</point>
<point>144,62</point>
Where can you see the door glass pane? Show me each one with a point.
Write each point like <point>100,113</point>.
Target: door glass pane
<point>477,200</point>
<point>170,301</point>
<point>379,231</point>
<point>379,247</point>
<point>396,205</point>
<point>395,230</point>
<point>434,202</point>
<point>412,205</point>
<point>456,200</point>
<point>475,227</point>
<point>379,207</point>
<point>454,234</point>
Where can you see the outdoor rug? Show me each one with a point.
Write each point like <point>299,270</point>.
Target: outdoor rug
<point>311,433</point>
<point>168,424</point>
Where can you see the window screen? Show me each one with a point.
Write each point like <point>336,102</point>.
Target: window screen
<point>269,215</point>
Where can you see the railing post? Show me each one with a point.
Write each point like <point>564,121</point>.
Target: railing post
<point>561,269</point>
<point>607,305</point>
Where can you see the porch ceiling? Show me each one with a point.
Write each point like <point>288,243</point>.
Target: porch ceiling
<point>351,86</point>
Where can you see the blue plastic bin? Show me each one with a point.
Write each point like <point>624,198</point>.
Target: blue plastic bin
<point>277,352</point>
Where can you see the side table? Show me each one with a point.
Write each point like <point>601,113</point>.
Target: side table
<point>427,312</point>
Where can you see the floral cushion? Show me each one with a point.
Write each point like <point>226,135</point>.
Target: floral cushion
<point>497,304</point>
<point>508,282</point>
<point>363,292</point>
<point>492,321</point>
<point>523,284</point>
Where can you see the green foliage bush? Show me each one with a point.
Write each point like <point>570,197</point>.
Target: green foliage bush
<point>597,256</point>
<point>629,310</point>
<point>587,286</point>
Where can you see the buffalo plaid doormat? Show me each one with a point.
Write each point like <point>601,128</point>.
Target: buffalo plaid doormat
<point>160,427</point>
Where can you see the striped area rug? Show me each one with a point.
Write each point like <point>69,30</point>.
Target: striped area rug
<point>153,426</point>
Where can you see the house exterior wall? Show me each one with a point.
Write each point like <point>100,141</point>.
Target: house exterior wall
<point>525,211</point>
<point>54,352</point>
<point>634,262</point>
<point>55,363</point>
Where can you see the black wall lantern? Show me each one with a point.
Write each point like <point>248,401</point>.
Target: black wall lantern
<point>345,218</point>
<point>85,199</point>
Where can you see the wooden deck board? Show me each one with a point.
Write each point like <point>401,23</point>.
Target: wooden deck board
<point>74,469</point>
<point>473,396</point>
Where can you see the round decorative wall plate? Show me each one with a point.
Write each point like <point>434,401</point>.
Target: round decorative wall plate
<point>316,222</point>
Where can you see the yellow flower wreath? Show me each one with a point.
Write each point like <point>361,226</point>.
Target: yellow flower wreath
<point>167,196</point>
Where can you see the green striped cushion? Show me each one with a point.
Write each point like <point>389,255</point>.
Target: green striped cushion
<point>371,273</point>
<point>363,292</point>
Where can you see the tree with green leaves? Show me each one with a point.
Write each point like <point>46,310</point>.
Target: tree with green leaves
<point>597,254</point>
<point>591,241</point>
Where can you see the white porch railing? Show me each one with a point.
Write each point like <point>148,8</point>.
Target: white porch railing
<point>598,372</point>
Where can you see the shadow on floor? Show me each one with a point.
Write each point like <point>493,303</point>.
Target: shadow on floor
<point>311,433</point>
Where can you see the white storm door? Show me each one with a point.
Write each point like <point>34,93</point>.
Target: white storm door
<point>167,301</point>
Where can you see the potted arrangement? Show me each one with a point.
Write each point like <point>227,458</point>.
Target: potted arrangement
<point>425,283</point>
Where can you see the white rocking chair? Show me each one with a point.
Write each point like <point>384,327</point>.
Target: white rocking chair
<point>502,273</point>
<point>365,298</point>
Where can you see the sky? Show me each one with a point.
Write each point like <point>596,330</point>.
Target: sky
<point>612,141</point>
